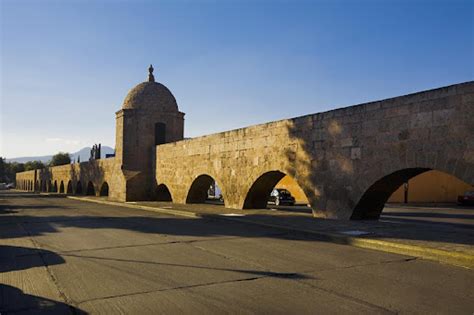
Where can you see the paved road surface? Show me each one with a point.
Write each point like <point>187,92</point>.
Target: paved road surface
<point>64,255</point>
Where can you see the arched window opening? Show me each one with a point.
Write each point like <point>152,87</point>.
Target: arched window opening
<point>203,190</point>
<point>373,201</point>
<point>104,190</point>
<point>276,189</point>
<point>413,187</point>
<point>79,188</point>
<point>163,193</point>
<point>160,133</point>
<point>90,189</point>
<point>69,187</point>
<point>61,187</point>
<point>55,187</point>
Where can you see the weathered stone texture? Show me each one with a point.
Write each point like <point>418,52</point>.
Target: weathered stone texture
<point>347,161</point>
<point>334,156</point>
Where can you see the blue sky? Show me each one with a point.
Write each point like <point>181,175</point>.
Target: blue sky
<point>66,66</point>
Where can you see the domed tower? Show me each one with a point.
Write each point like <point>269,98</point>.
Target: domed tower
<point>149,116</point>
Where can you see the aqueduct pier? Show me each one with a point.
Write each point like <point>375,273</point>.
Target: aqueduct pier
<point>348,161</point>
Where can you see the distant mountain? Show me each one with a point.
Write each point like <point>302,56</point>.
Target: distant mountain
<point>84,153</point>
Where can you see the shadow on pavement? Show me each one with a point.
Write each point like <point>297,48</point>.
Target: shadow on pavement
<point>212,225</point>
<point>14,258</point>
<point>14,300</point>
<point>429,215</point>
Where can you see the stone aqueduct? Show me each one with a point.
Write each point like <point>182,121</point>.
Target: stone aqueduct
<point>348,161</point>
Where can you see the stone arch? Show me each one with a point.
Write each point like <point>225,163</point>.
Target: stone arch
<point>55,187</point>
<point>163,193</point>
<point>104,189</point>
<point>372,202</point>
<point>61,187</point>
<point>79,188</point>
<point>259,192</point>
<point>198,191</point>
<point>90,191</point>
<point>69,187</point>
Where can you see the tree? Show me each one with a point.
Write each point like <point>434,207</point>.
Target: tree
<point>60,158</point>
<point>10,170</point>
<point>2,170</point>
<point>33,165</point>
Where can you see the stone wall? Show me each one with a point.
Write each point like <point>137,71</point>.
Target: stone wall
<point>97,172</point>
<point>348,161</point>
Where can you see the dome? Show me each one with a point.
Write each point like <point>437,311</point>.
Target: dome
<point>150,95</point>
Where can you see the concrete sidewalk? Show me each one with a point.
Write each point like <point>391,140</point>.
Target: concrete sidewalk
<point>442,243</point>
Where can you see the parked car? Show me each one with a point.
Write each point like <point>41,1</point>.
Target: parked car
<point>282,197</point>
<point>467,198</point>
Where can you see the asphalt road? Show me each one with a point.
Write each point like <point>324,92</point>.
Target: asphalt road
<point>60,255</point>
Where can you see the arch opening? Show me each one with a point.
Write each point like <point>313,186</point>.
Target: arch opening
<point>50,186</point>
<point>415,186</point>
<point>90,189</point>
<point>160,133</point>
<point>279,190</point>
<point>69,187</point>
<point>61,187</point>
<point>163,193</point>
<point>55,186</point>
<point>79,188</point>
<point>204,189</point>
<point>104,189</point>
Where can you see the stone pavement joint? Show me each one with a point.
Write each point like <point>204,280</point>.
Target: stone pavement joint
<point>456,258</point>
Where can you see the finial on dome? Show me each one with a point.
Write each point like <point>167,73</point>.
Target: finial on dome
<point>151,78</point>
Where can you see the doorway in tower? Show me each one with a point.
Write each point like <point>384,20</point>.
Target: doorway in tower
<point>160,133</point>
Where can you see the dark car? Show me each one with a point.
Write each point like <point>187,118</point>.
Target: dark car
<point>282,197</point>
<point>467,198</point>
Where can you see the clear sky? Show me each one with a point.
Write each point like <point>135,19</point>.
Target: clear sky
<point>66,66</point>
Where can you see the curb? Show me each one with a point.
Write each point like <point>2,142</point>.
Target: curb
<point>448,257</point>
